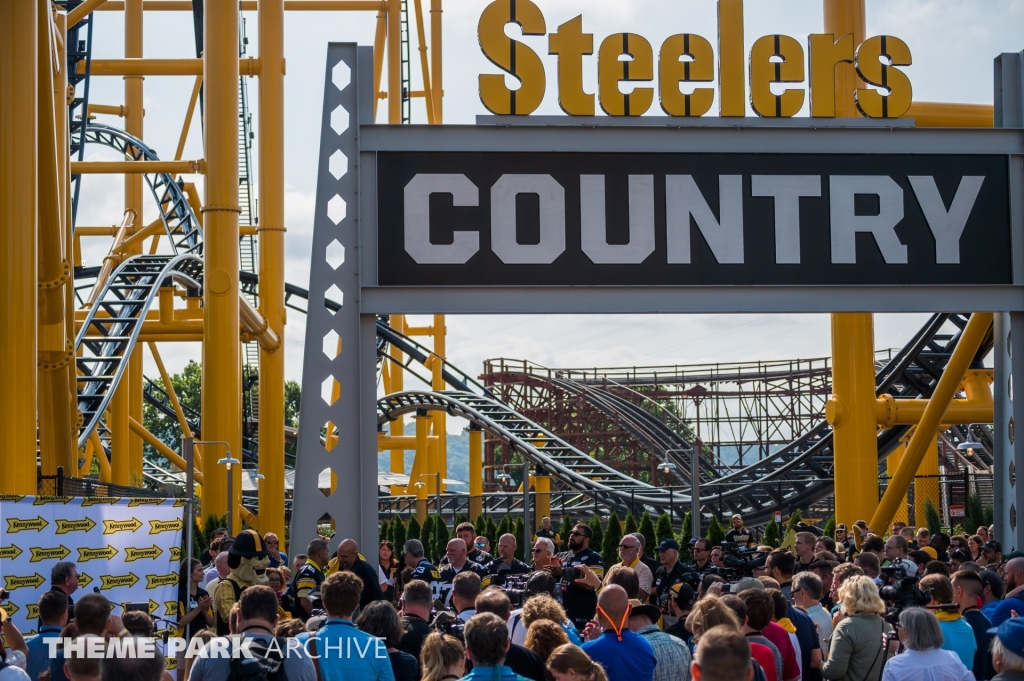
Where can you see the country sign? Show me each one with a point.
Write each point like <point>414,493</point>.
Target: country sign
<point>153,581</point>
<point>10,552</point>
<point>106,553</point>
<point>133,554</point>
<point>25,524</point>
<point>79,525</point>
<point>11,583</point>
<point>112,526</point>
<point>57,553</point>
<point>112,581</point>
<point>158,526</point>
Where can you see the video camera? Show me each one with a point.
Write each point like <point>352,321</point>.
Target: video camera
<point>515,588</point>
<point>900,590</point>
<point>739,561</point>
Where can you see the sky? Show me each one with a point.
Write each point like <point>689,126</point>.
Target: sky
<point>953,43</point>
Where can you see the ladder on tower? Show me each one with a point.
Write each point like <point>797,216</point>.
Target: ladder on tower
<point>406,70</point>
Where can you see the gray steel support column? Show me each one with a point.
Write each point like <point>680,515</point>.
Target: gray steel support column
<point>1008,333</point>
<point>340,346</point>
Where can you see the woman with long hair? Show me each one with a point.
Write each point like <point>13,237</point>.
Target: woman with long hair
<point>974,543</point>
<point>442,658</point>
<point>194,604</point>
<point>570,663</point>
<point>285,603</point>
<point>387,568</point>
<point>543,636</point>
<point>380,619</point>
<point>856,652</point>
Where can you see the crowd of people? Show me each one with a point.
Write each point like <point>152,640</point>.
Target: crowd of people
<point>857,606</point>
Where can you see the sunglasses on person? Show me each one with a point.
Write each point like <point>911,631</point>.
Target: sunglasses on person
<point>626,547</point>
<point>539,550</point>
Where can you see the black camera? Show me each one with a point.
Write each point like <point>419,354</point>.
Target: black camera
<point>739,561</point>
<point>901,591</point>
<point>515,588</point>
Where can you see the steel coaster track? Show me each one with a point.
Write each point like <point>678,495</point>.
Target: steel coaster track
<point>112,326</point>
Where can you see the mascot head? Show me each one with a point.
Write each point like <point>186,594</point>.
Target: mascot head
<point>248,559</point>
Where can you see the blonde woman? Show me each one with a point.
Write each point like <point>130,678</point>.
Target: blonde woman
<point>544,636</point>
<point>710,612</point>
<point>570,663</point>
<point>856,650</point>
<point>442,658</point>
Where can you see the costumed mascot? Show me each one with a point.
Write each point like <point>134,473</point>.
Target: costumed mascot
<point>248,561</point>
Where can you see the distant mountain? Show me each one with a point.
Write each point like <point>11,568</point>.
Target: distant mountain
<point>458,458</point>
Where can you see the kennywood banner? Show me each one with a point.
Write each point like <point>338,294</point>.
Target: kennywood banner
<point>538,218</point>
<point>128,548</point>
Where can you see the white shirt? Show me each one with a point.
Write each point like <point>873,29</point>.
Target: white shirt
<point>823,622</point>
<point>931,665</point>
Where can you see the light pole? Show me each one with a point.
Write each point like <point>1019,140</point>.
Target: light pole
<point>229,461</point>
<point>437,496</point>
<point>970,445</point>
<point>188,444</point>
<point>527,530</point>
<point>666,468</point>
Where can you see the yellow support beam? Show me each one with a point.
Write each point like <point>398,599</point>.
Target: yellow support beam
<point>843,17</point>
<point>137,66</point>
<point>890,412</point>
<point>252,5</point>
<point>137,167</point>
<point>970,339</point>
<point>158,444</point>
<point>435,61</point>
<point>939,115</point>
<point>18,260</point>
<point>80,12</point>
<point>476,472</point>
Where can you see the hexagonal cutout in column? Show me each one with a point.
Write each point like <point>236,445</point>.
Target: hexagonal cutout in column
<point>336,209</point>
<point>335,254</point>
<point>341,75</point>
<point>339,120</point>
<point>332,344</point>
<point>337,164</point>
<point>330,390</point>
<point>1013,473</point>
<point>327,482</point>
<point>334,299</point>
<point>329,436</point>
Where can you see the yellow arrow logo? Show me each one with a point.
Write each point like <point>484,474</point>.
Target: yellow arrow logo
<point>179,502</point>
<point>82,525</point>
<point>40,501</point>
<point>158,526</point>
<point>10,552</point>
<point>171,607</point>
<point>153,605</point>
<point>56,553</point>
<point>114,581</point>
<point>131,554</point>
<point>10,609</point>
<point>92,554</point>
<point>172,664</point>
<point>84,580</point>
<point>34,581</point>
<point>112,526</point>
<point>11,497</point>
<point>175,553</point>
<point>33,611</point>
<point>24,524</point>
<point>96,501</point>
<point>144,501</point>
<point>153,581</point>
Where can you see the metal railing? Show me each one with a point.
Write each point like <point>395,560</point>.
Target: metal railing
<point>61,485</point>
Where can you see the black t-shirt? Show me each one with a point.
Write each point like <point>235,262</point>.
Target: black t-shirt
<point>500,570</point>
<point>205,558</point>
<point>743,537</point>
<point>448,575</point>
<point>185,607</point>
<point>982,658</point>
<point>404,666</point>
<point>580,603</point>
<point>371,583</point>
<point>415,630</point>
<point>665,579</point>
<point>480,556</point>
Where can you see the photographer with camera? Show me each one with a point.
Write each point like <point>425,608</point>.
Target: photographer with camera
<point>580,599</point>
<point>700,549</point>
<point>896,553</point>
<point>956,632</point>
<point>670,573</point>
<point>506,562</point>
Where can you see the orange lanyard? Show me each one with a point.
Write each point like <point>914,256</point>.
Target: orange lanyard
<point>620,627</point>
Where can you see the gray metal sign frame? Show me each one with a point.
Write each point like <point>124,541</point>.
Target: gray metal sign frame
<point>339,377</point>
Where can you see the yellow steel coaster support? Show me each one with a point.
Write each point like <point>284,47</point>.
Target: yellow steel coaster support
<point>841,18</point>
<point>394,46</point>
<point>421,37</point>
<point>476,472</point>
<point>420,464</point>
<point>56,352</point>
<point>851,411</point>
<point>963,354</point>
<point>437,383</point>
<point>18,264</point>
<point>60,105</point>
<point>379,41</point>
<point>221,407</point>
<point>891,463</point>
<point>397,427</point>
<point>271,263</point>
<point>421,504</point>
<point>435,60</point>
<point>926,480</point>
<point>542,488</point>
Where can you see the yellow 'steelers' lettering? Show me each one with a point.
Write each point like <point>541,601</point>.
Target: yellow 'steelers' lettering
<point>871,68</point>
<point>511,56</point>
<point>731,100</point>
<point>824,54</point>
<point>686,58</point>
<point>611,70</point>
<point>570,43</point>
<point>788,67</point>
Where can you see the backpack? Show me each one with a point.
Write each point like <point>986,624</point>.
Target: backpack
<point>266,663</point>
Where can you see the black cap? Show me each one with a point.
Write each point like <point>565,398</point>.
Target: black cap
<point>248,544</point>
<point>992,545</point>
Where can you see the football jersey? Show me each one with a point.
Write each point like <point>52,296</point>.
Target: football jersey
<point>448,574</point>
<point>580,603</point>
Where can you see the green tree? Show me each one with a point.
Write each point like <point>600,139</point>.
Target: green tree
<point>518,528</point>
<point>974,512</point>
<point>830,526</point>
<point>684,538</point>
<point>631,525</point>
<point>505,527</point>
<point>565,529</point>
<point>664,529</point>
<point>612,537</point>
<point>650,536</point>
<point>931,516</point>
<point>441,537</point>
<point>492,534</point>
<point>399,535</point>
<point>597,541</point>
<point>459,519</point>
<point>413,531</point>
<point>211,525</point>
<point>292,399</point>
<point>794,519</point>
<point>771,534</point>
<point>480,525</point>
<point>716,533</point>
<point>426,536</point>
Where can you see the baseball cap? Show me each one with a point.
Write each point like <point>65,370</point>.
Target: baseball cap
<point>683,594</point>
<point>991,545</point>
<point>1011,635</point>
<point>931,552</point>
<point>668,544</point>
<point>1014,554</point>
<point>841,526</point>
<point>747,583</point>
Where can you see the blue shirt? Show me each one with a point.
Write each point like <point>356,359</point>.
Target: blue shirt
<point>493,674</point>
<point>989,608</point>
<point>1000,612</point>
<point>38,651</point>
<point>958,637</point>
<point>346,653</point>
<point>284,560</point>
<point>807,636</point>
<point>631,659</point>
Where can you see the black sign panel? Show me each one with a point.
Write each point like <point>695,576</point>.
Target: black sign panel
<point>521,219</point>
